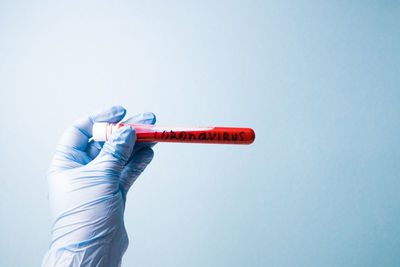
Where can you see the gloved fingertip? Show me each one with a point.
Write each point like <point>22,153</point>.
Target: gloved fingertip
<point>112,114</point>
<point>118,110</point>
<point>142,118</point>
<point>149,117</point>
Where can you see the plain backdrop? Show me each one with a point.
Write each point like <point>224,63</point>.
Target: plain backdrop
<point>319,81</point>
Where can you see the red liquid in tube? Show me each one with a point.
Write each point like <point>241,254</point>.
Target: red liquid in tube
<point>156,133</point>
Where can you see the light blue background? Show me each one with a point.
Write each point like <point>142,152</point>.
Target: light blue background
<point>317,80</point>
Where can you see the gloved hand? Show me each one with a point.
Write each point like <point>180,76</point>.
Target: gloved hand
<point>88,183</point>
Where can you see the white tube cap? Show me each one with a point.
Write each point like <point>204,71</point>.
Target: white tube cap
<point>100,131</point>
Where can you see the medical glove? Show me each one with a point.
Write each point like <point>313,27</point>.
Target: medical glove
<point>87,186</point>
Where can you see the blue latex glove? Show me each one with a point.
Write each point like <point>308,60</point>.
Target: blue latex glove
<point>88,183</point>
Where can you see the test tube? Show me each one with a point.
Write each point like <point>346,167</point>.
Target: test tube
<point>155,133</point>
